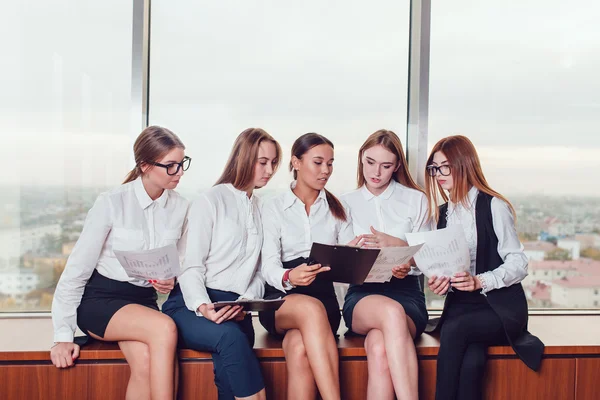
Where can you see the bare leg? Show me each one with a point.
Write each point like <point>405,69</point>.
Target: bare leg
<point>398,333</point>
<point>176,378</point>
<point>156,330</point>
<point>262,395</point>
<point>308,315</point>
<point>301,382</point>
<point>380,386</point>
<point>138,358</point>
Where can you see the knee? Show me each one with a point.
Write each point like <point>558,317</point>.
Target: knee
<point>313,311</point>
<point>166,332</point>
<point>232,339</point>
<point>376,354</point>
<point>451,333</point>
<point>395,318</point>
<point>294,350</point>
<point>140,368</point>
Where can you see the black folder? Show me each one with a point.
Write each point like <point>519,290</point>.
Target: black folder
<point>252,305</point>
<point>348,264</point>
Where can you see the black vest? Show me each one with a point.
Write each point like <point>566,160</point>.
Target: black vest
<point>509,303</point>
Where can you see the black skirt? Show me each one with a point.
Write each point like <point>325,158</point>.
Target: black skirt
<point>407,292</point>
<point>103,297</point>
<point>320,289</point>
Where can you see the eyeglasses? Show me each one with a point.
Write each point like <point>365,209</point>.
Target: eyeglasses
<point>444,170</point>
<point>173,169</point>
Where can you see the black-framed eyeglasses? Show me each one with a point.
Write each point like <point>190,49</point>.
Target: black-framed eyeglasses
<point>444,170</point>
<point>173,169</point>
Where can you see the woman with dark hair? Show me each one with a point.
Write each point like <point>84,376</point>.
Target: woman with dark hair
<point>223,245</point>
<point>387,205</point>
<point>310,316</point>
<point>486,305</point>
<point>94,291</point>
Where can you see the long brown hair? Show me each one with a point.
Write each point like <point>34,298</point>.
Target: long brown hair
<point>239,169</point>
<point>302,145</point>
<point>391,142</point>
<point>151,145</point>
<point>466,171</point>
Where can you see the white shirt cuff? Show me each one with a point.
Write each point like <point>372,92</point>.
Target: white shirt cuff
<point>281,287</point>
<point>198,302</point>
<point>487,282</point>
<point>64,337</point>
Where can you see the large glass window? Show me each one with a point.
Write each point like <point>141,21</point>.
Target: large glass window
<point>520,80</point>
<point>339,69</point>
<point>65,117</point>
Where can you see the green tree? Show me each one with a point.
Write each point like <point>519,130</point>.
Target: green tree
<point>51,244</point>
<point>558,254</point>
<point>592,253</point>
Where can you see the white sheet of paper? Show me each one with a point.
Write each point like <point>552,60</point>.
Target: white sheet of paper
<point>445,251</point>
<point>160,263</point>
<point>388,258</point>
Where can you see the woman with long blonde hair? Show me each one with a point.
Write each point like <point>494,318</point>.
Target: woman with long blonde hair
<point>387,205</point>
<point>223,244</point>
<point>486,305</point>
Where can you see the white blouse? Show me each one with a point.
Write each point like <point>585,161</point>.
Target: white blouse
<point>396,211</point>
<point>223,244</point>
<point>290,232</point>
<point>124,218</point>
<point>510,249</point>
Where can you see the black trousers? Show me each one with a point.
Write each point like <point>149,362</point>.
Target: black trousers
<point>470,326</point>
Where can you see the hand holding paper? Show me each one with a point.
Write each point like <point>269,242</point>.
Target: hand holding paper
<point>445,251</point>
<point>161,263</point>
<point>387,260</point>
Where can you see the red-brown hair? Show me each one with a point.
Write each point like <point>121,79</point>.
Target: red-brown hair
<point>466,172</point>
<point>390,141</point>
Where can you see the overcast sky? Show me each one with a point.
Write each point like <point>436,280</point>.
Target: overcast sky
<point>519,79</point>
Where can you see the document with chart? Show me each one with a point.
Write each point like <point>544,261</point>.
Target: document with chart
<point>160,263</point>
<point>444,253</point>
<point>388,258</point>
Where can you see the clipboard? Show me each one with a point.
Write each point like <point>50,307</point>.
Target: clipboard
<point>348,264</point>
<point>252,305</point>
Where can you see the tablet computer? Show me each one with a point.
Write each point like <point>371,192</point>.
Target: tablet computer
<point>251,305</point>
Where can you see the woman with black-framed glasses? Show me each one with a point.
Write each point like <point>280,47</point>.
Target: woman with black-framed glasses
<point>487,305</point>
<point>94,291</point>
<point>173,167</point>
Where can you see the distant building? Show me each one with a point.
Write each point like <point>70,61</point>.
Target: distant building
<point>576,292</point>
<point>17,283</point>
<point>537,250</point>
<point>548,271</point>
<point>571,245</point>
<point>557,228</point>
<point>588,240</point>
<point>16,242</point>
<point>539,295</point>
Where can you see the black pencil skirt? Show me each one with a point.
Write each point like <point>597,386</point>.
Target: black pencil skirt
<point>320,289</point>
<point>103,297</point>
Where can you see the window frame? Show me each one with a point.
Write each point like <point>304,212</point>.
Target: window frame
<point>416,135</point>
